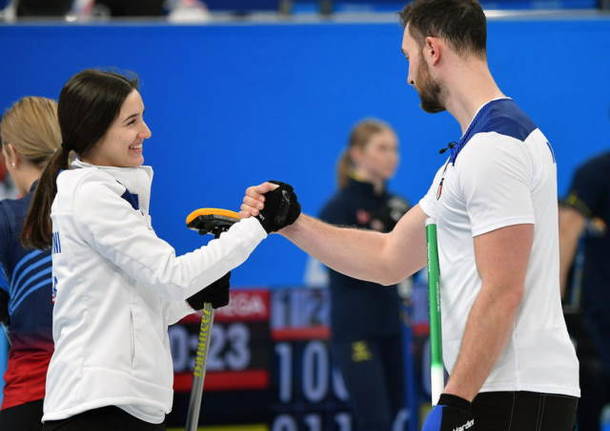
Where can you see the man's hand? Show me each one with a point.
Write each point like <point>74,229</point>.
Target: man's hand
<point>273,203</point>
<point>216,294</point>
<point>452,413</point>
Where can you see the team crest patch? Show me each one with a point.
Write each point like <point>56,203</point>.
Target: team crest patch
<point>439,190</point>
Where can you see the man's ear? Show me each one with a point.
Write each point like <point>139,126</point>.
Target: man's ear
<point>432,50</point>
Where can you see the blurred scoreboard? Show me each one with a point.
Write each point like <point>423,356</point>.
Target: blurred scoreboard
<point>268,366</point>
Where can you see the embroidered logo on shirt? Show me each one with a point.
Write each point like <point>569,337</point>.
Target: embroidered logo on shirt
<point>363,217</point>
<point>439,190</point>
<point>360,352</point>
<point>466,426</point>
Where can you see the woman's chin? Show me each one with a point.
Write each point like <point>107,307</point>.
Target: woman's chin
<point>136,160</point>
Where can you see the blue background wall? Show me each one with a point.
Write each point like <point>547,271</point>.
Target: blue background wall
<point>233,105</point>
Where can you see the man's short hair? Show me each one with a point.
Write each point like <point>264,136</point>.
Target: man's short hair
<point>461,22</point>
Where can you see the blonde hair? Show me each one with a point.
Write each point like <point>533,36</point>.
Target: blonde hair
<point>359,137</point>
<point>32,128</point>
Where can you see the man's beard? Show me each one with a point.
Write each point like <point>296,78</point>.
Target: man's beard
<point>429,91</point>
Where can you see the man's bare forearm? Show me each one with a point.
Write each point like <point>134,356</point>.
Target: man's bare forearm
<point>383,258</point>
<point>366,255</point>
<point>354,252</point>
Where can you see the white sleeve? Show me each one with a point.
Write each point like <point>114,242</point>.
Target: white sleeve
<point>177,310</point>
<point>429,201</point>
<point>495,178</point>
<point>111,226</point>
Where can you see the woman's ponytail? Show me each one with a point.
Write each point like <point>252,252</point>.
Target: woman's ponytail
<point>344,168</point>
<point>37,230</point>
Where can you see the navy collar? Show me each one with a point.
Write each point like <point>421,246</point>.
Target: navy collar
<point>364,187</point>
<point>470,131</point>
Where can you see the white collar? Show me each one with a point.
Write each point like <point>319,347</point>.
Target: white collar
<point>137,180</point>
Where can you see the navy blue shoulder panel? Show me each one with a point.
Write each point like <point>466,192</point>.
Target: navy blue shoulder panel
<point>502,116</point>
<point>506,118</point>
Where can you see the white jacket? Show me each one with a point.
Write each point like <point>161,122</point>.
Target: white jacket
<point>117,288</point>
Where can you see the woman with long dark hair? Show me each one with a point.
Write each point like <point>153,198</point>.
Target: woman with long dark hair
<point>117,286</point>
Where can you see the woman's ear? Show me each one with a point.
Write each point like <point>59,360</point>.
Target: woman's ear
<point>11,156</point>
<point>355,154</point>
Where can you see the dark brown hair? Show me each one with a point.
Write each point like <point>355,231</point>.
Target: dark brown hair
<point>461,22</point>
<point>88,104</point>
<point>359,137</point>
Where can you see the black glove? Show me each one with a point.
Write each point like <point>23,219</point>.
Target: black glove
<point>281,208</point>
<point>450,414</point>
<point>216,294</point>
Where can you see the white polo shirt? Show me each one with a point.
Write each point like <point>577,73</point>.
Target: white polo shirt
<point>502,172</point>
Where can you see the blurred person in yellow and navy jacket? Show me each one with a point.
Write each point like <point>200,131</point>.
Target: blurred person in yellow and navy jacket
<point>365,317</point>
<point>584,218</point>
